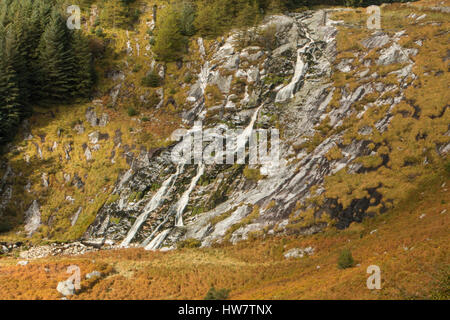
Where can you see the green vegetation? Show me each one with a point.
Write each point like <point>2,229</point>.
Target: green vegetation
<point>345,259</point>
<point>217,294</point>
<point>132,112</point>
<point>152,79</point>
<point>252,174</point>
<point>189,243</point>
<point>41,60</point>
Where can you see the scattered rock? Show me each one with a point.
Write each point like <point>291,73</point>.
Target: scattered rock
<point>91,116</point>
<point>74,219</point>
<point>88,154</point>
<point>299,252</point>
<point>93,274</point>
<point>378,40</point>
<point>79,128</point>
<point>32,218</point>
<point>66,288</point>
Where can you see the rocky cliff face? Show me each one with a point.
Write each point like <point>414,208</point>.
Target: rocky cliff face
<point>304,54</point>
<point>292,85</point>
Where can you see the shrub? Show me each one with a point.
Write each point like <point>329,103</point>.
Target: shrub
<point>137,68</point>
<point>252,174</point>
<point>345,259</point>
<point>447,168</point>
<point>267,37</point>
<point>189,243</point>
<point>217,294</point>
<point>99,33</point>
<point>151,80</point>
<point>132,112</point>
<point>188,78</point>
<point>170,44</point>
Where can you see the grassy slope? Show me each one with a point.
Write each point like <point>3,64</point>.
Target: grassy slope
<point>412,252</point>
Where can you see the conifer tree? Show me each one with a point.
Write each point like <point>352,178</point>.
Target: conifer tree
<point>83,65</point>
<point>55,61</point>
<point>9,91</point>
<point>170,44</point>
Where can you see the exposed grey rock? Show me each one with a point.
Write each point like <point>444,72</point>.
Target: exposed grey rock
<point>441,8</point>
<point>93,274</point>
<point>306,103</point>
<point>223,83</point>
<point>88,154</point>
<point>253,75</point>
<point>32,218</point>
<point>45,180</point>
<point>345,65</point>
<point>93,137</point>
<point>104,119</point>
<point>299,252</point>
<point>66,288</point>
<point>115,75</point>
<point>22,263</point>
<point>77,182</point>
<point>232,63</point>
<point>395,54</point>
<point>74,218</point>
<point>114,94</point>
<point>160,93</point>
<point>282,50</point>
<point>377,40</point>
<point>54,146</point>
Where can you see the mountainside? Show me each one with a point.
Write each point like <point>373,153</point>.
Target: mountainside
<point>361,120</point>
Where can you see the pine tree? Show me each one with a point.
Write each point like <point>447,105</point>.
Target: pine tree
<point>170,44</point>
<point>83,65</point>
<point>249,14</point>
<point>55,61</point>
<point>9,91</point>
<point>211,18</point>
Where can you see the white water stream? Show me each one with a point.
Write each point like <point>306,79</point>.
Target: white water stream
<point>153,204</point>
<point>157,241</point>
<point>288,91</point>
<point>181,205</point>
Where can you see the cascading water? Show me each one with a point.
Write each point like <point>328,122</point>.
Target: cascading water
<point>153,204</point>
<point>241,140</point>
<point>181,205</point>
<point>288,91</point>
<point>158,240</point>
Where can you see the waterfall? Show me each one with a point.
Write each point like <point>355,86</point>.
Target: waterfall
<point>288,91</point>
<point>201,47</point>
<point>156,242</point>
<point>153,204</point>
<point>241,140</point>
<point>181,205</point>
<point>203,76</point>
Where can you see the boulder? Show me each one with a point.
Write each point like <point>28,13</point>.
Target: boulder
<point>32,218</point>
<point>66,288</point>
<point>91,116</point>
<point>94,274</point>
<point>299,252</point>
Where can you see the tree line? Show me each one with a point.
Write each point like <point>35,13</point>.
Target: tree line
<point>211,18</point>
<point>42,61</point>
